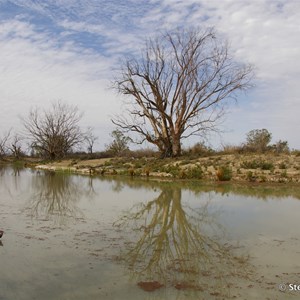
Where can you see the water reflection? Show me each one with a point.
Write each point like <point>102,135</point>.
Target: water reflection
<point>177,245</point>
<point>55,196</point>
<point>258,191</point>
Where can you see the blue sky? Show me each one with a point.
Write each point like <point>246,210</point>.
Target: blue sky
<point>71,50</point>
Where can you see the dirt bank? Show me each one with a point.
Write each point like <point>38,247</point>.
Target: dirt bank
<point>282,168</point>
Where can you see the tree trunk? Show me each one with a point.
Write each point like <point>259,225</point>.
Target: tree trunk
<point>176,147</point>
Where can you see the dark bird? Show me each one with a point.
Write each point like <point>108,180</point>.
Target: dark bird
<point>1,233</point>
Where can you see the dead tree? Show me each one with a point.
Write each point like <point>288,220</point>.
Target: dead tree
<point>178,87</point>
<point>4,144</point>
<point>15,146</point>
<point>54,132</point>
<point>90,139</point>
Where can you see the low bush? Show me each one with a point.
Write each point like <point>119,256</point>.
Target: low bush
<point>266,165</point>
<point>282,166</point>
<point>194,173</point>
<point>199,149</point>
<point>224,173</point>
<point>251,177</point>
<point>257,164</point>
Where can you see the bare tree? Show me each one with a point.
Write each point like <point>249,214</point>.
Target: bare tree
<point>55,132</point>
<point>15,146</point>
<point>178,87</point>
<point>3,143</point>
<point>90,139</point>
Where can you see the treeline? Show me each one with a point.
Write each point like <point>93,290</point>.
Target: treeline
<point>55,134</point>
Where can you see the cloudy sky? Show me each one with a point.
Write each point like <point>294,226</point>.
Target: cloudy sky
<point>70,50</point>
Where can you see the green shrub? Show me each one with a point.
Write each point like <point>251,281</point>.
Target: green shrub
<point>250,176</point>
<point>258,140</point>
<point>250,164</point>
<point>266,165</point>
<point>257,164</point>
<point>194,173</point>
<point>224,173</point>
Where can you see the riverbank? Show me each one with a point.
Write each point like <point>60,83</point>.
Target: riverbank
<point>283,168</point>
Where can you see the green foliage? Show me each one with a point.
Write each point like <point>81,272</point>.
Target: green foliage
<point>281,147</point>
<point>119,145</point>
<point>266,166</point>
<point>250,164</point>
<point>257,164</point>
<point>250,176</point>
<point>194,173</point>
<point>171,169</point>
<point>224,173</point>
<point>258,140</point>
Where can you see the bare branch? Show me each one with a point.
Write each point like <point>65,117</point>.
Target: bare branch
<point>55,132</point>
<point>178,87</point>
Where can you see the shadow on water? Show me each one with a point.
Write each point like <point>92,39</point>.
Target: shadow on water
<point>171,244</point>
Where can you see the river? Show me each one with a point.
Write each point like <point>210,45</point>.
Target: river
<point>79,237</point>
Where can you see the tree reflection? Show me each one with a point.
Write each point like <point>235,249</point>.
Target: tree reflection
<point>179,245</point>
<point>55,196</point>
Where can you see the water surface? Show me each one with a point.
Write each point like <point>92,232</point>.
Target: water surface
<point>78,237</point>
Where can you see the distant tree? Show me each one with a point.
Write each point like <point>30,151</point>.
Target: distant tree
<point>15,146</point>
<point>120,142</point>
<point>54,132</point>
<point>258,140</point>
<point>4,143</point>
<point>281,147</point>
<point>178,87</point>
<point>90,139</point>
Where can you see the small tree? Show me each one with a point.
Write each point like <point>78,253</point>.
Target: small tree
<point>90,139</point>
<point>281,147</point>
<point>120,142</point>
<point>54,132</point>
<point>258,140</point>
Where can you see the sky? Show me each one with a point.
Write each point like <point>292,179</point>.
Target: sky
<point>70,50</point>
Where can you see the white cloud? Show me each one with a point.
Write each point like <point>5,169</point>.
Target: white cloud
<point>34,71</point>
<point>46,64</point>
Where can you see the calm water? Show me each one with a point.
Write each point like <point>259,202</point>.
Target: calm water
<point>76,237</point>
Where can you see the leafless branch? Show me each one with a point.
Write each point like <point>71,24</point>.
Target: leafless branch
<point>178,87</point>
